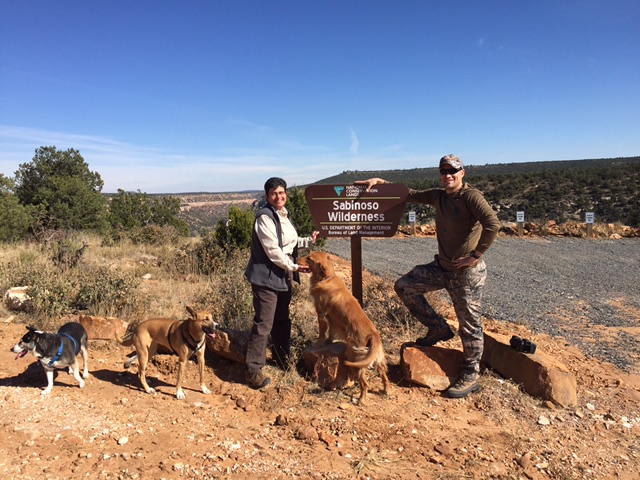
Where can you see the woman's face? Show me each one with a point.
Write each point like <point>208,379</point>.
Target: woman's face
<point>277,197</point>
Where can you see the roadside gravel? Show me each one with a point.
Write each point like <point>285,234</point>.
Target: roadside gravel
<point>585,290</point>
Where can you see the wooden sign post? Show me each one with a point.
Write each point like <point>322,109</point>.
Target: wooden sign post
<point>351,211</point>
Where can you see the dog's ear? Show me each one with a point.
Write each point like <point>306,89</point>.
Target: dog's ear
<point>321,267</point>
<point>31,328</point>
<point>191,311</point>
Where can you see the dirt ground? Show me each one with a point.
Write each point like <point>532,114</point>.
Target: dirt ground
<point>111,429</point>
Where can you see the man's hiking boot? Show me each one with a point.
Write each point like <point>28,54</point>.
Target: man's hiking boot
<point>434,336</point>
<point>256,380</point>
<point>465,384</point>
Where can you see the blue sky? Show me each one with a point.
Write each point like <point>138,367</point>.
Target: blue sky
<point>168,96</point>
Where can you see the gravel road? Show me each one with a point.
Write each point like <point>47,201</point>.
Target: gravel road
<point>580,289</point>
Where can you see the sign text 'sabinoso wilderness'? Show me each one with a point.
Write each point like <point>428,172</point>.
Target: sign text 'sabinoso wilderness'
<point>348,210</point>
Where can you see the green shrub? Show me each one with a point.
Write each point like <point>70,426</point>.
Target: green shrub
<point>229,293</point>
<point>107,293</point>
<point>237,230</point>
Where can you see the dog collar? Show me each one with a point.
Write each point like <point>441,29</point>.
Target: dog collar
<point>59,354</point>
<point>188,342</point>
<point>191,343</point>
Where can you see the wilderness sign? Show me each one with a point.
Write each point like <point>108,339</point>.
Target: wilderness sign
<point>349,210</point>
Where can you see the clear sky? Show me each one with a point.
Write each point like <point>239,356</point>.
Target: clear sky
<point>181,96</point>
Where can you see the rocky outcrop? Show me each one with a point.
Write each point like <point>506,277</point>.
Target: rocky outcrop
<point>540,375</point>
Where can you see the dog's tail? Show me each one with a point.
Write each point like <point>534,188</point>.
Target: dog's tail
<point>127,338</point>
<point>374,347</point>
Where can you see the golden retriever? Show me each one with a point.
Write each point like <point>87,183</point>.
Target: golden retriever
<point>183,337</point>
<point>340,317</point>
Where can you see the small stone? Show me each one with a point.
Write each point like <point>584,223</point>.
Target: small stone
<point>307,433</point>
<point>123,441</point>
<point>497,469</point>
<point>524,460</point>
<point>443,449</point>
<point>542,420</point>
<point>281,421</point>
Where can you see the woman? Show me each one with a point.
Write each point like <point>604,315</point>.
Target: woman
<point>271,270</point>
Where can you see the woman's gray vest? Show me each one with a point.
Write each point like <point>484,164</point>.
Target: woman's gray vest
<point>261,271</point>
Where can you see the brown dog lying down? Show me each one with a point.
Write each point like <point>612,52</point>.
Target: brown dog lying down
<point>340,317</point>
<point>183,337</point>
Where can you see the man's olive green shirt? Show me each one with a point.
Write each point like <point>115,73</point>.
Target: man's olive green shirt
<point>464,222</point>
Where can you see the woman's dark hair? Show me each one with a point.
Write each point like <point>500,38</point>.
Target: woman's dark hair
<point>274,182</point>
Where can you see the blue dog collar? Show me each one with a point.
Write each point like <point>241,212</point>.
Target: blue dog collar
<point>59,354</point>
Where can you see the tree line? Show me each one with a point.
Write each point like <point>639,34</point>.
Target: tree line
<point>57,191</point>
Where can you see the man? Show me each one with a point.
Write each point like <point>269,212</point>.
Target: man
<point>466,225</point>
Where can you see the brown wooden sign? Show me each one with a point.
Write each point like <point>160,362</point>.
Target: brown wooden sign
<point>349,210</point>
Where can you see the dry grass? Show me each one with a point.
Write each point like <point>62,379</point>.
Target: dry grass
<point>136,281</point>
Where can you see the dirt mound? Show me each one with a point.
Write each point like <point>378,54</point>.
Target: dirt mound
<point>112,429</point>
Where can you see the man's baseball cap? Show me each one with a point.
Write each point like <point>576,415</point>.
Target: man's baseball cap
<point>451,160</point>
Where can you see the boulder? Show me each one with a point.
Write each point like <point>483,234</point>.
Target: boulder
<point>17,299</point>
<point>102,328</point>
<point>433,367</point>
<point>326,364</point>
<point>540,375</point>
<point>230,344</point>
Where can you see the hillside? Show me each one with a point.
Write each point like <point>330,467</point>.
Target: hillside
<point>554,190</point>
<point>202,211</point>
<point>417,175</point>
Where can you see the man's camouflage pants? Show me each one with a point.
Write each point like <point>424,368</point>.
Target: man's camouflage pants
<point>465,289</point>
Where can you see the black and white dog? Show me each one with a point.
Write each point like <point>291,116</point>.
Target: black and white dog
<point>57,350</point>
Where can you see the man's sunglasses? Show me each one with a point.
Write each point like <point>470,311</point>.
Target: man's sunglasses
<point>449,171</point>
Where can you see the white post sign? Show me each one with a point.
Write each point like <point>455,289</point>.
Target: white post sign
<point>412,221</point>
<point>520,220</point>
<point>589,218</point>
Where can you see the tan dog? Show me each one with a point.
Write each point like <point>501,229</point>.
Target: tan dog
<point>340,317</point>
<point>183,337</point>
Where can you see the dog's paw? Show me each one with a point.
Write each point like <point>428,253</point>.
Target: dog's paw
<point>180,395</point>
<point>81,384</point>
<point>205,390</point>
<point>46,391</point>
<point>151,391</point>
<point>85,375</point>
